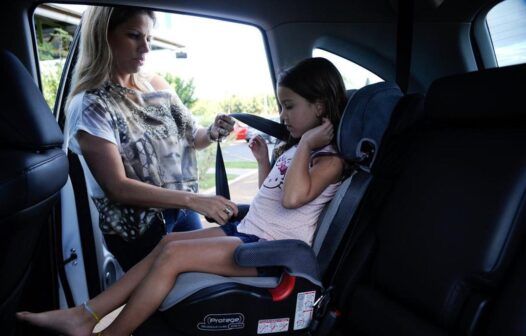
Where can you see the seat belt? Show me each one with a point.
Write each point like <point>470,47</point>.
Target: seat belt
<point>277,130</point>
<point>267,126</point>
<point>222,188</point>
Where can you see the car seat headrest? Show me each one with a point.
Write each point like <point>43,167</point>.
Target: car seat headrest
<point>486,96</point>
<point>365,120</point>
<point>25,118</point>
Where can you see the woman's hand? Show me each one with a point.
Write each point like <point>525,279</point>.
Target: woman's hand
<point>319,136</point>
<point>222,126</point>
<point>218,208</point>
<point>259,148</point>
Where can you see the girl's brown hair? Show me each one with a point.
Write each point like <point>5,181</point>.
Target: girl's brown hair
<point>318,81</point>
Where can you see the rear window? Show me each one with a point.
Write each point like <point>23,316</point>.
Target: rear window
<point>507,26</point>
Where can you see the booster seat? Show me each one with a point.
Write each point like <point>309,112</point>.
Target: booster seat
<point>201,303</point>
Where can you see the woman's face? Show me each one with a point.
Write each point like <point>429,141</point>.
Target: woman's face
<point>129,42</point>
<point>297,113</point>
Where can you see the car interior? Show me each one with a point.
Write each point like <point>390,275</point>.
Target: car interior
<point>426,235</point>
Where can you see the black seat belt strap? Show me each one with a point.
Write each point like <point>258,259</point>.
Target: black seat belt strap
<point>222,188</point>
<point>267,126</point>
<point>270,127</point>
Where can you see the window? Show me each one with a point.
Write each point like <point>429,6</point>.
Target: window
<point>507,26</point>
<point>354,76</point>
<point>215,66</point>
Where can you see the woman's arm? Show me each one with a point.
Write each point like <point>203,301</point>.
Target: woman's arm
<point>221,127</point>
<point>222,124</point>
<point>106,165</point>
<point>303,184</point>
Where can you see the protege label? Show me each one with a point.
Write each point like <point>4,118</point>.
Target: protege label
<point>214,322</point>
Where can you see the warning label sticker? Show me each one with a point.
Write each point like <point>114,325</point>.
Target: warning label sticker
<point>304,309</point>
<point>273,326</point>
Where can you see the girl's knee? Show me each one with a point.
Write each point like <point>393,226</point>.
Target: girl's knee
<point>169,252</point>
<point>167,239</point>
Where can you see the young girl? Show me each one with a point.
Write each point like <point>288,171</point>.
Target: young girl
<point>291,196</point>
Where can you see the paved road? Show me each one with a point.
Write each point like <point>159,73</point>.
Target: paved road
<point>237,151</point>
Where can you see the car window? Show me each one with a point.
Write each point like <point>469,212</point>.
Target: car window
<point>215,67</point>
<point>507,26</point>
<point>354,75</point>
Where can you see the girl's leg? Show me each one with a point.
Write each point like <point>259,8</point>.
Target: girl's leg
<point>211,255</point>
<point>77,321</point>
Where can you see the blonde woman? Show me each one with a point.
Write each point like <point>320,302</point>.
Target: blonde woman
<point>135,138</point>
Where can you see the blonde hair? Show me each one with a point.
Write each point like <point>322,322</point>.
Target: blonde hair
<point>95,60</point>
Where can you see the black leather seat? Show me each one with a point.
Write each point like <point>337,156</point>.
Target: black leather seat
<point>34,169</point>
<point>446,243</point>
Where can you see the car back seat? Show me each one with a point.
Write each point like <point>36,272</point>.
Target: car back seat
<point>446,242</point>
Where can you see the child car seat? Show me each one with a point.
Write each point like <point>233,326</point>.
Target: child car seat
<point>200,303</point>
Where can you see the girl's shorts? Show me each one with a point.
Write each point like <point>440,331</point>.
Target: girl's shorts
<point>230,229</point>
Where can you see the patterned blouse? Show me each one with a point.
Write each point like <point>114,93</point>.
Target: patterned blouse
<point>154,133</point>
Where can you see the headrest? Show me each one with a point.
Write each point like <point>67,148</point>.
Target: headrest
<point>365,120</point>
<point>485,96</point>
<point>25,118</point>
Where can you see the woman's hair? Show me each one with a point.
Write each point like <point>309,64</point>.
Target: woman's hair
<point>318,81</point>
<point>95,59</point>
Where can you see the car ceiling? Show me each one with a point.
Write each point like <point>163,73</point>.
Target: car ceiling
<point>361,30</point>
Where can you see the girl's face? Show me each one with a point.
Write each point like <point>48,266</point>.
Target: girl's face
<point>129,42</point>
<point>297,113</point>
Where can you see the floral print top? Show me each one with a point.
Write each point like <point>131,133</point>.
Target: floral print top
<point>154,133</point>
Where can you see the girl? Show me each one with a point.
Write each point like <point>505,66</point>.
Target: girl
<point>291,196</point>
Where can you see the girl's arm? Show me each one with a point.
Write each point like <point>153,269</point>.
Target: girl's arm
<point>303,184</point>
<point>259,148</point>
<point>106,165</point>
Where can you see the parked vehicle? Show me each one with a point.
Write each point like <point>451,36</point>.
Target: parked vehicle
<point>239,132</point>
<point>251,132</point>
<point>433,215</point>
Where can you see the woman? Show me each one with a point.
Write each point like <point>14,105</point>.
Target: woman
<point>136,137</point>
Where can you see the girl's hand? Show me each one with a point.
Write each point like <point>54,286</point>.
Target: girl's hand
<point>218,208</point>
<point>259,148</point>
<point>319,136</point>
<point>222,126</point>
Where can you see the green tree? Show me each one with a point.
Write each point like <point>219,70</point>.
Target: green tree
<point>232,104</point>
<point>185,89</point>
<point>56,46</point>
<point>52,53</point>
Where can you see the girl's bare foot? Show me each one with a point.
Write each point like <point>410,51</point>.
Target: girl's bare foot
<point>69,322</point>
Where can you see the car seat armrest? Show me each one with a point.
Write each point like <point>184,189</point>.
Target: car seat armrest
<point>294,255</point>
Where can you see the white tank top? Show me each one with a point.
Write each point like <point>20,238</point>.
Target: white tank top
<point>268,219</point>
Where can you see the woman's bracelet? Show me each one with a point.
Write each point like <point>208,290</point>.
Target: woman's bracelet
<point>209,134</point>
